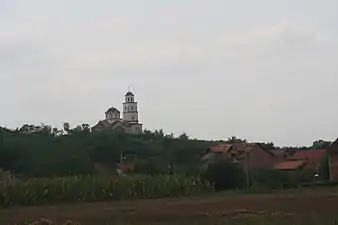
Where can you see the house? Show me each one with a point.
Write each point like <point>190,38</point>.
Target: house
<point>333,161</point>
<point>250,155</point>
<point>313,158</point>
<point>309,159</point>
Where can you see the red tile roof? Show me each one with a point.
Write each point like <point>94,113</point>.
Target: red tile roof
<point>314,156</point>
<point>290,165</point>
<point>239,148</point>
<point>221,148</point>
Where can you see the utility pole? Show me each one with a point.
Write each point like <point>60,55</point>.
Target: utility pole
<point>168,149</point>
<point>121,158</point>
<point>1,136</point>
<point>247,178</point>
<point>171,169</point>
<point>330,175</point>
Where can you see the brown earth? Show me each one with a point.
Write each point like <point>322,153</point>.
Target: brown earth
<point>311,206</point>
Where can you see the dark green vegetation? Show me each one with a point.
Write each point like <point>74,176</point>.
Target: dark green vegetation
<point>43,151</point>
<point>77,165</point>
<point>89,189</point>
<point>46,152</point>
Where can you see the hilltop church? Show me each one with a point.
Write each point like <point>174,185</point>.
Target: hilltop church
<point>129,123</point>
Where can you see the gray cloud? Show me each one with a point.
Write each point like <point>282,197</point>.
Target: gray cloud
<point>199,68</point>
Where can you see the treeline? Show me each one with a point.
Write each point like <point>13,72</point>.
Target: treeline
<point>44,151</point>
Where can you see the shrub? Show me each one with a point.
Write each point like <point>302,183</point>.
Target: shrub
<point>274,179</point>
<point>225,175</point>
<point>324,169</point>
<point>149,167</point>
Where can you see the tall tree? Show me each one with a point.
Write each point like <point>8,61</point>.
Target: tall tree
<point>234,140</point>
<point>184,136</point>
<point>320,144</point>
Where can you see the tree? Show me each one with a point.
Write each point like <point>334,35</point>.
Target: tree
<point>324,169</point>
<point>320,144</point>
<point>85,127</point>
<point>149,167</point>
<point>169,136</point>
<point>269,146</point>
<point>30,149</point>
<point>45,129</point>
<point>235,140</point>
<point>159,133</point>
<point>184,136</point>
<point>66,127</point>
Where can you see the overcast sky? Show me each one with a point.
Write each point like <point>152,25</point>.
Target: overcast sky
<point>264,70</point>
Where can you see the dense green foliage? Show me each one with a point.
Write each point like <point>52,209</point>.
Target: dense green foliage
<point>274,179</point>
<point>225,175</point>
<point>45,152</point>
<point>90,188</point>
<point>324,170</point>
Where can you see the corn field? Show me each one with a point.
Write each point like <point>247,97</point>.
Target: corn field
<point>91,188</point>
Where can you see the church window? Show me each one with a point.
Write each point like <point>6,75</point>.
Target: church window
<point>132,108</point>
<point>132,117</point>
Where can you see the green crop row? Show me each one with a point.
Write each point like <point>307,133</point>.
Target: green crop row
<point>91,188</point>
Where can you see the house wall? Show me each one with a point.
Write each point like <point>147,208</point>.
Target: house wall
<point>334,167</point>
<point>260,159</point>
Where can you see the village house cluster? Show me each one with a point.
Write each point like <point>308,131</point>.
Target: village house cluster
<point>254,156</point>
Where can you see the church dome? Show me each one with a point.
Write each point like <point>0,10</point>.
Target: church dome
<point>129,93</point>
<point>112,109</point>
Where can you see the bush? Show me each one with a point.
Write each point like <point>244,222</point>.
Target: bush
<point>149,168</point>
<point>324,169</point>
<point>225,175</point>
<point>274,179</point>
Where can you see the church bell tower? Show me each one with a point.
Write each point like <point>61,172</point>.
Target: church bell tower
<point>130,111</point>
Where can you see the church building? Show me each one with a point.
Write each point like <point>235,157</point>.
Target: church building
<point>129,122</point>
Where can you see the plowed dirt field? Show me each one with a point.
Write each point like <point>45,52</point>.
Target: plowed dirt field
<point>293,208</point>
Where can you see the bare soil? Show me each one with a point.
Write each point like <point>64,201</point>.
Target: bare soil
<point>313,207</point>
